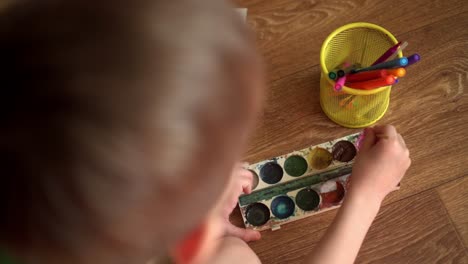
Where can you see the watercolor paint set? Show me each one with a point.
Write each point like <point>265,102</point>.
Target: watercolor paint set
<point>299,184</point>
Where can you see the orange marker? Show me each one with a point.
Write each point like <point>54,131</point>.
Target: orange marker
<point>398,72</point>
<point>366,75</point>
<point>372,84</point>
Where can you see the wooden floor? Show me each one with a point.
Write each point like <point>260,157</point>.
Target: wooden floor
<point>427,220</point>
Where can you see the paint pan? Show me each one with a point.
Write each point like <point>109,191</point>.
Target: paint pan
<point>344,151</point>
<point>320,158</point>
<point>255,179</point>
<point>295,166</point>
<point>308,199</point>
<point>282,207</point>
<point>332,193</point>
<point>271,172</point>
<point>299,184</point>
<point>257,214</point>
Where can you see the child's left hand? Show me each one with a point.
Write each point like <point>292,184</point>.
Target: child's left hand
<point>241,183</point>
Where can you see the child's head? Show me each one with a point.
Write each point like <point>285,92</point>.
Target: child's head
<point>121,121</point>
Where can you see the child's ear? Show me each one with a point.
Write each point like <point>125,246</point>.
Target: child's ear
<point>190,248</point>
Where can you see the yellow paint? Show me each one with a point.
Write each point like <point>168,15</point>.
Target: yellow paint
<point>320,158</point>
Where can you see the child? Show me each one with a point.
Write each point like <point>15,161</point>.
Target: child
<point>122,124</point>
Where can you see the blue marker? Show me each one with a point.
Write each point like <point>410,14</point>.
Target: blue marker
<point>400,62</point>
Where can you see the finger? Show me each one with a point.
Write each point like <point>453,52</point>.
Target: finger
<point>245,234</point>
<point>246,181</point>
<point>245,174</point>
<point>369,139</point>
<point>402,141</point>
<point>385,132</point>
<point>247,188</point>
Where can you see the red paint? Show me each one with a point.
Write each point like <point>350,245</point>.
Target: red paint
<point>333,197</point>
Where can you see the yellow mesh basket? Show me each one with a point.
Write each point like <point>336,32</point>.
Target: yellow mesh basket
<point>356,43</point>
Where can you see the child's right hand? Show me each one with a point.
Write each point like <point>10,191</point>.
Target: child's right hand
<point>381,163</point>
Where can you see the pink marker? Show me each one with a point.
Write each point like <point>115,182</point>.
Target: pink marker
<point>387,54</point>
<point>360,139</point>
<point>339,83</point>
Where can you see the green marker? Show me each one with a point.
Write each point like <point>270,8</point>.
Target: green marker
<point>332,75</point>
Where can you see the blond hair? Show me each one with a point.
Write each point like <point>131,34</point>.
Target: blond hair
<point>117,117</point>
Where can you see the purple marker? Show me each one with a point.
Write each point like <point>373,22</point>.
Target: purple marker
<point>387,54</point>
<point>413,59</point>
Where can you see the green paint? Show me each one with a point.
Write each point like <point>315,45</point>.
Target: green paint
<point>295,166</point>
<point>307,199</point>
<point>353,138</point>
<point>284,188</point>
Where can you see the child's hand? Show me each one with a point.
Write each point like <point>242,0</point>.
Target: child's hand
<point>381,163</point>
<point>241,182</point>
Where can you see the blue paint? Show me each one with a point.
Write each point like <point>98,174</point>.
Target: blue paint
<point>282,207</point>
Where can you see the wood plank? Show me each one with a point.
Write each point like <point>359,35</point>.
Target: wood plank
<point>290,33</point>
<point>415,230</point>
<point>429,107</point>
<point>454,195</point>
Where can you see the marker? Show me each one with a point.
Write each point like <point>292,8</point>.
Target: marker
<point>372,84</point>
<point>401,48</point>
<point>347,70</point>
<point>332,75</point>
<point>413,59</point>
<point>365,76</point>
<point>339,83</point>
<point>387,54</point>
<point>398,72</point>
<point>385,65</point>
